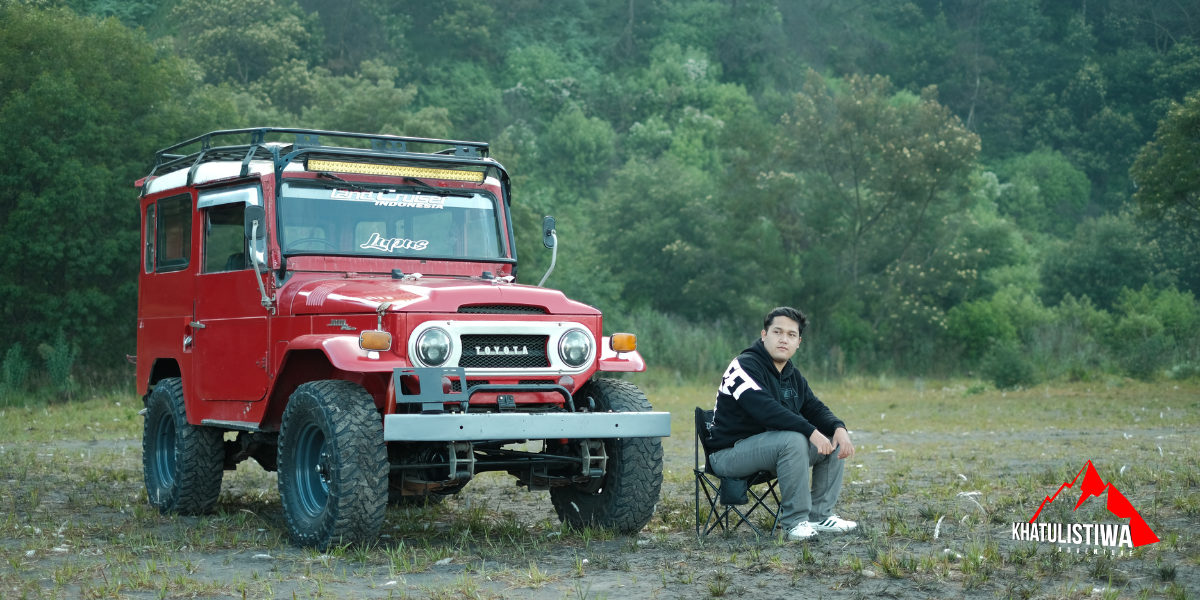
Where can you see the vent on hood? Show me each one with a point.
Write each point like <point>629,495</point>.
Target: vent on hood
<point>502,309</point>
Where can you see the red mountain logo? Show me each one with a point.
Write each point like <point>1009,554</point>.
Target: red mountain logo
<point>1092,485</point>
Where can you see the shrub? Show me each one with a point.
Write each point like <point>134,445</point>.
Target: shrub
<point>60,360</point>
<point>1141,345</point>
<point>689,348</point>
<point>1007,366</point>
<point>977,326</point>
<point>1178,312</point>
<point>13,371</point>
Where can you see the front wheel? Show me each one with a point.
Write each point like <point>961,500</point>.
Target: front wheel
<point>333,467</point>
<point>626,498</point>
<point>183,463</point>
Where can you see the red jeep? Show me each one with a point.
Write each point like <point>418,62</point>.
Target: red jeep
<point>349,311</point>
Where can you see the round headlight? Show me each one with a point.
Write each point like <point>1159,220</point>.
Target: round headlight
<point>433,347</point>
<point>575,348</point>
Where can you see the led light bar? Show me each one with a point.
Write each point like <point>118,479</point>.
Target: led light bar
<point>394,170</point>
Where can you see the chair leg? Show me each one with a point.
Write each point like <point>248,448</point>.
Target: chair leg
<point>715,517</point>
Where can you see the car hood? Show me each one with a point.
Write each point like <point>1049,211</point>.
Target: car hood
<point>431,294</point>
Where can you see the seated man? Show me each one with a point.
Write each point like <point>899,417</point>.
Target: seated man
<point>767,419</point>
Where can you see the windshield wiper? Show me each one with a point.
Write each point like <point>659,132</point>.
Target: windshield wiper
<point>425,187</point>
<point>325,175</point>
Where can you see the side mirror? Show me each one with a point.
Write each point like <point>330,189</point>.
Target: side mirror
<point>256,213</point>
<point>548,232</point>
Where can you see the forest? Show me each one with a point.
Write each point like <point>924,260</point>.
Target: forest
<point>1002,190</point>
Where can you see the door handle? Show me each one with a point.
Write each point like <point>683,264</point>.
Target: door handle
<point>196,325</point>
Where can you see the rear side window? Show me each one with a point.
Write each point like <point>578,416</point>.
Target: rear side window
<point>174,233</point>
<point>149,266</point>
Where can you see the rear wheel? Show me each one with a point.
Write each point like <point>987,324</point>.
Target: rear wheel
<point>626,497</point>
<point>183,463</point>
<point>333,467</point>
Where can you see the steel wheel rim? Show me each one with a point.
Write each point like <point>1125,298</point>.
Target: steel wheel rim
<point>164,450</point>
<point>312,470</point>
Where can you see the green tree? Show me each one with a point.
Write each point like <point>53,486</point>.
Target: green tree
<point>242,40</point>
<point>84,104</point>
<point>870,178</point>
<point>371,102</point>
<point>1106,255</point>
<point>1044,192</point>
<point>1166,170</point>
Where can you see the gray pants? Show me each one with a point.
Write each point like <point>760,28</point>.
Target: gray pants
<point>789,455</point>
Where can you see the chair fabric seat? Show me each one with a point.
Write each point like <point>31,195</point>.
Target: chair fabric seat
<point>730,493</point>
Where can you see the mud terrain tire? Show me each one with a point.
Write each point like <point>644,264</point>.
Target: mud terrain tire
<point>629,493</point>
<point>333,467</point>
<point>182,463</point>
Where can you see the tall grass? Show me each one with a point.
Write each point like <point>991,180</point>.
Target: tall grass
<point>1060,348</point>
<point>688,349</point>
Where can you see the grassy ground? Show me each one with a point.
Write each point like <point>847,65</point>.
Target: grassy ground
<point>74,521</point>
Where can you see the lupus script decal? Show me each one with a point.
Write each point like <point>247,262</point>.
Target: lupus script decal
<point>378,242</point>
<point>381,198</point>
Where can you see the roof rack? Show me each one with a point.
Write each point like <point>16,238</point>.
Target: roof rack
<point>308,141</point>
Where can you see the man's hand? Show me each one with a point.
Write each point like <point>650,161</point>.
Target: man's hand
<point>841,439</point>
<point>819,440</point>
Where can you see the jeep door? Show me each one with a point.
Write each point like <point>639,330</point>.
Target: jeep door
<point>165,300</point>
<point>230,350</point>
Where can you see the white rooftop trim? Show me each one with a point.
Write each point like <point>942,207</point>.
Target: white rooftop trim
<point>213,171</point>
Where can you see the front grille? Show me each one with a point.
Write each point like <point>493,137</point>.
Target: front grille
<point>502,309</point>
<point>456,384</point>
<point>504,351</point>
<point>537,382</point>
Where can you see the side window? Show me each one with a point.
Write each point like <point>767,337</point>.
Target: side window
<point>225,238</point>
<point>149,238</point>
<point>174,233</point>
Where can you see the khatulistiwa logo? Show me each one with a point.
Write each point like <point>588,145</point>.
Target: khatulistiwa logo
<point>1090,538</point>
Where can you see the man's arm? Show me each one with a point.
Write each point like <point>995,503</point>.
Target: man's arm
<point>817,413</point>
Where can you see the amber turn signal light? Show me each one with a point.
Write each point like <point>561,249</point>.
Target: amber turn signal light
<point>375,340</point>
<point>623,342</point>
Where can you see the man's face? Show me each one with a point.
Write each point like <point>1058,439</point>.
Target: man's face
<point>782,339</point>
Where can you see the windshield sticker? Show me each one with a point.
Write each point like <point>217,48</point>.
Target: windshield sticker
<point>378,242</point>
<point>381,198</point>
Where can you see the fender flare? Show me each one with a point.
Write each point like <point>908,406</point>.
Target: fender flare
<point>344,354</point>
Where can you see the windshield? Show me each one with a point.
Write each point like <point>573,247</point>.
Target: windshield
<point>402,222</point>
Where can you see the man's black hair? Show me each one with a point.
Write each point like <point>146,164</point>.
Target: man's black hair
<point>786,311</point>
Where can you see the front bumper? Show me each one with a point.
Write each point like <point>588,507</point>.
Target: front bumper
<point>459,427</point>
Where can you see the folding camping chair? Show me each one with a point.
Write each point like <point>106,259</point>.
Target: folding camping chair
<point>728,491</point>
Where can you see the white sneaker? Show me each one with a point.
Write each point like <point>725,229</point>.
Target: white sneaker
<point>834,524</point>
<point>801,532</point>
